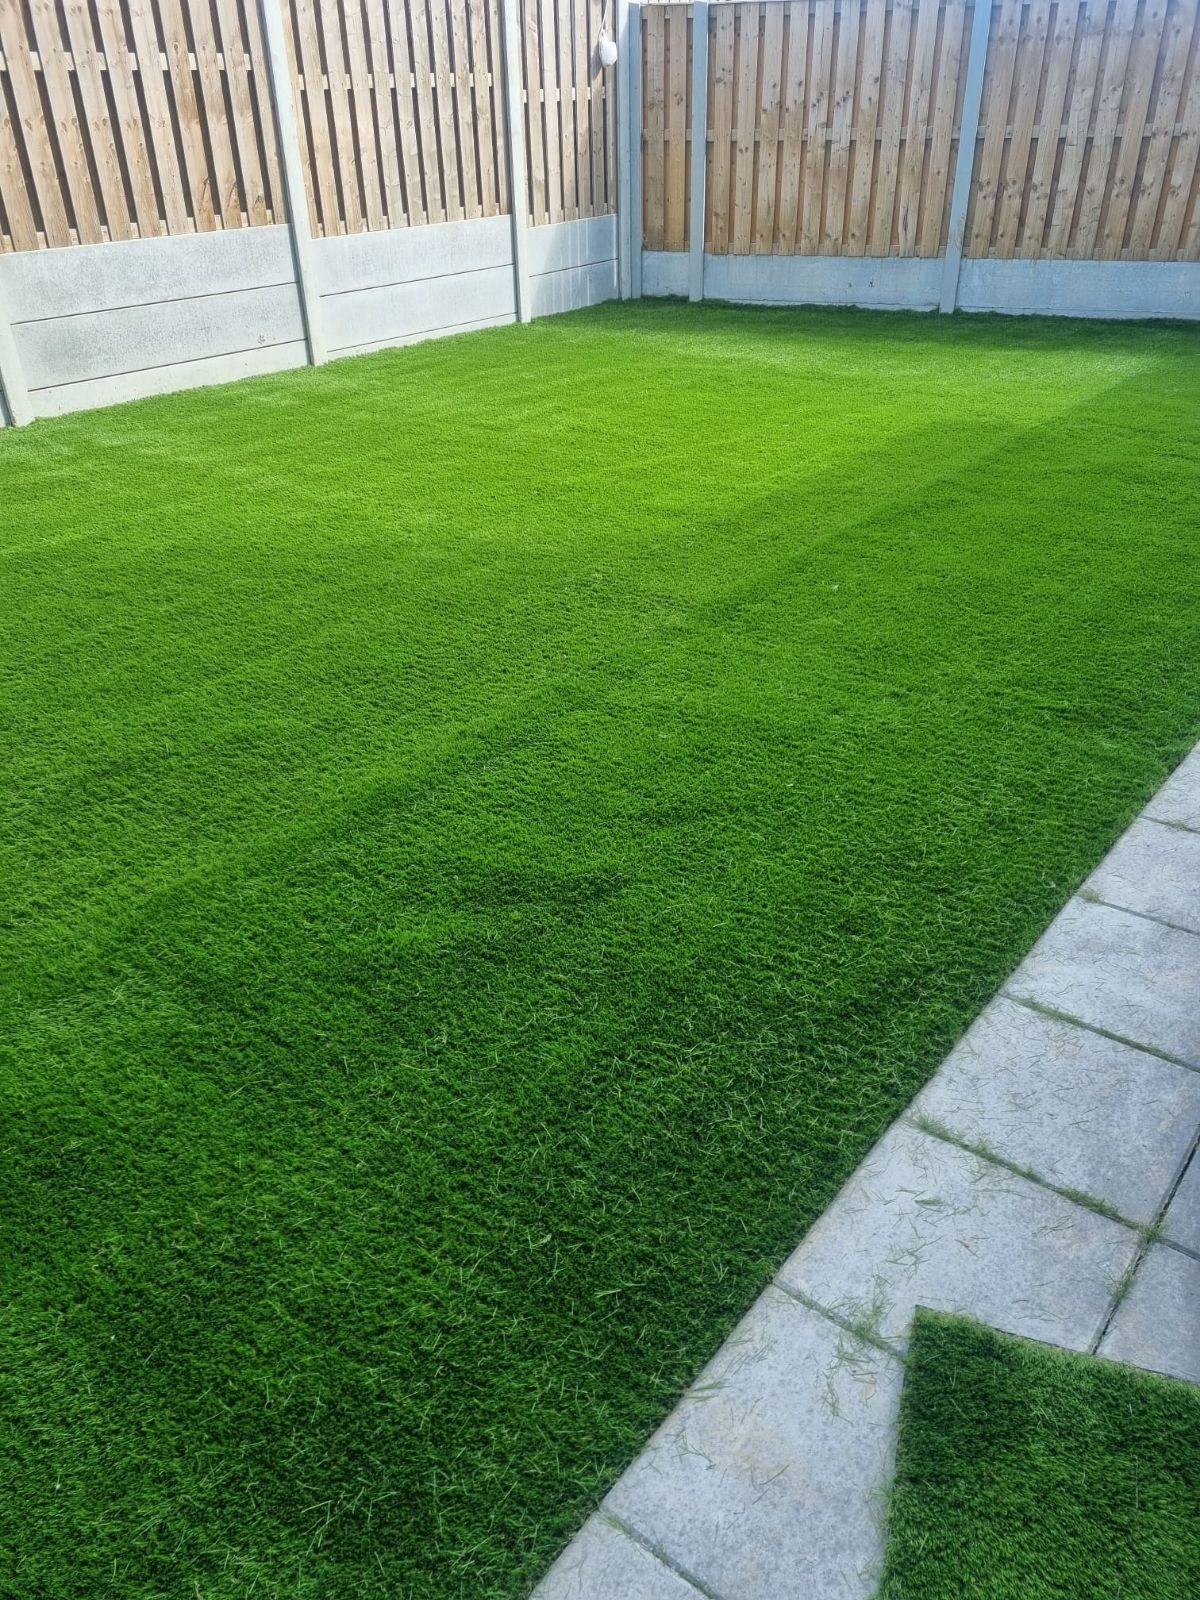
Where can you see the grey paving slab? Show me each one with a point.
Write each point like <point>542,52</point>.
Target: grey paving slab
<point>769,1479</point>
<point>922,1221</point>
<point>1182,1221</point>
<point>1077,1109</point>
<point>1157,1325</point>
<point>1179,798</point>
<point>1154,869</point>
<point>603,1563</point>
<point>1119,972</point>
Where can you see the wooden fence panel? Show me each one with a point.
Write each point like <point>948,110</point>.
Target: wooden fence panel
<point>120,121</point>
<point>1089,132</point>
<point>832,126</point>
<point>399,103</point>
<point>570,110</point>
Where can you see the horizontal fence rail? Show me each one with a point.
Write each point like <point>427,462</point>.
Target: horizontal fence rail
<point>832,128</point>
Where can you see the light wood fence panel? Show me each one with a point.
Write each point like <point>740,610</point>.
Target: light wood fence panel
<point>1089,132</point>
<point>570,110</point>
<point>401,105</point>
<point>833,128</point>
<point>832,125</point>
<point>122,120</point>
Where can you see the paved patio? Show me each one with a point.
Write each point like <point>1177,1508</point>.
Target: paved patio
<point>1045,1181</point>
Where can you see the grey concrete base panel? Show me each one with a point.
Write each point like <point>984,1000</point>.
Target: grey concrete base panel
<point>769,1478</point>
<point>1157,1325</point>
<point>96,324</point>
<point>1052,288</point>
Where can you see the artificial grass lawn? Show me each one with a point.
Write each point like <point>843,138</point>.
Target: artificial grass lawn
<point>1026,1473</point>
<point>493,832</point>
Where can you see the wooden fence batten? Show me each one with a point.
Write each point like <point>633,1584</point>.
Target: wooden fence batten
<point>293,176</point>
<point>699,149</point>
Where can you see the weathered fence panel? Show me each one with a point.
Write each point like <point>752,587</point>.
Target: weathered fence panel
<point>400,106</point>
<point>1089,133</point>
<point>832,128</point>
<point>569,111</point>
<point>832,125</point>
<point>121,120</point>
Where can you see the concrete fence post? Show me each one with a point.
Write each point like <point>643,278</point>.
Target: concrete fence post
<point>514,152</point>
<point>293,167</point>
<point>699,149</point>
<point>633,133</point>
<point>14,394</point>
<point>965,165</point>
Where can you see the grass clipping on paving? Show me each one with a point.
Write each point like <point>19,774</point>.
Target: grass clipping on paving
<point>1027,1473</point>
<point>492,833</point>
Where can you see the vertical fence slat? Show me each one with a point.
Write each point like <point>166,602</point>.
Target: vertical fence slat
<point>841,123</point>
<point>675,153</point>
<point>721,118</point>
<point>102,137</point>
<point>1060,50</point>
<point>1014,184</point>
<point>1104,129</point>
<point>17,195</point>
<point>745,113</point>
<point>770,97</point>
<point>1140,79</point>
<point>791,155</point>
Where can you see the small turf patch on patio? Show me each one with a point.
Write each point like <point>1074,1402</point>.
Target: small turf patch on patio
<point>492,833</point>
<point>1025,1473</point>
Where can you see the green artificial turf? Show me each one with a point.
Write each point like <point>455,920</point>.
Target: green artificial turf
<point>1026,1473</point>
<point>492,833</point>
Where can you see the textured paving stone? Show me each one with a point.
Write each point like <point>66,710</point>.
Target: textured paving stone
<point>1118,972</point>
<point>1179,798</point>
<point>1153,869</point>
<point>602,1563</point>
<point>924,1222</point>
<point>768,1480</point>
<point>1157,1325</point>
<point>1182,1222</point>
<point>1077,1109</point>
